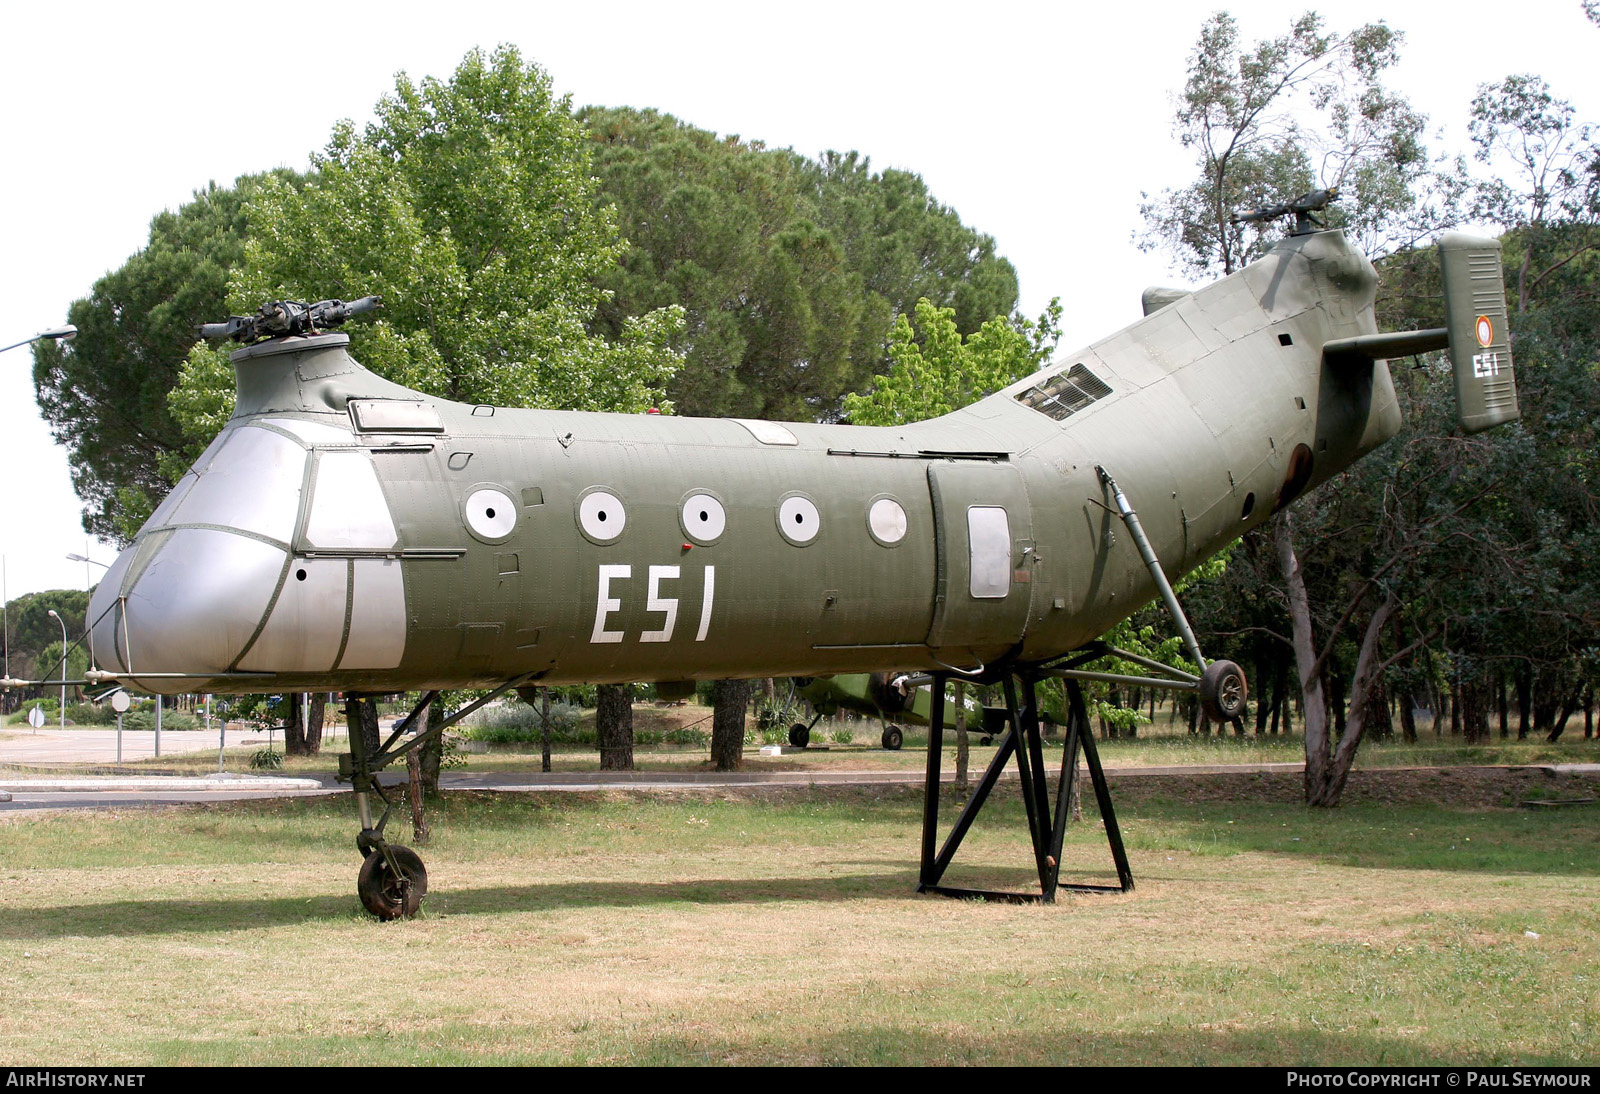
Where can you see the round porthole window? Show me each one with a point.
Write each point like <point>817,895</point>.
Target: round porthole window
<point>703,517</point>
<point>601,516</point>
<point>886,520</point>
<point>490,513</point>
<point>798,519</point>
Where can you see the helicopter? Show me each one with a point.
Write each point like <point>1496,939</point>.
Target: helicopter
<point>345,533</point>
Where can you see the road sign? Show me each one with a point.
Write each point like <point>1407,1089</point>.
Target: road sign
<point>36,717</point>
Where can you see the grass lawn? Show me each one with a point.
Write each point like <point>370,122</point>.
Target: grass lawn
<point>780,926</point>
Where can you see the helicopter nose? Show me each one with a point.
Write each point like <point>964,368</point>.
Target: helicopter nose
<point>186,600</point>
<point>215,584</point>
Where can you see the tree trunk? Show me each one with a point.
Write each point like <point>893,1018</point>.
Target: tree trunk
<point>319,712</point>
<point>1379,723</point>
<point>1568,705</point>
<point>544,730</point>
<point>1263,700</point>
<point>1305,657</point>
<point>539,699</point>
<point>1474,712</point>
<point>361,716</point>
<point>1502,704</point>
<point>419,820</point>
<point>1336,700</point>
<point>430,757</point>
<point>1524,699</point>
<point>729,700</point>
<point>963,745</point>
<point>1326,773</point>
<point>613,722</point>
<point>294,731</point>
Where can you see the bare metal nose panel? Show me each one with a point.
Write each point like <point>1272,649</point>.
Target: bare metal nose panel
<point>305,629</point>
<point>252,483</point>
<point>104,617</point>
<point>198,601</point>
<point>377,616</point>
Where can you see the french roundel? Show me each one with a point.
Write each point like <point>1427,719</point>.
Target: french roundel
<point>703,518</point>
<point>799,520</point>
<point>1485,331</point>
<point>490,513</point>
<point>601,516</point>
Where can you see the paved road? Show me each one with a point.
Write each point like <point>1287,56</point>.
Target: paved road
<point>98,745</point>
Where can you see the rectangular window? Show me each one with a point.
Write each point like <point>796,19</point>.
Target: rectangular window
<point>1065,393</point>
<point>394,416</point>
<point>989,538</point>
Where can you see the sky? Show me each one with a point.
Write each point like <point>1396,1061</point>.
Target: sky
<point>1041,124</point>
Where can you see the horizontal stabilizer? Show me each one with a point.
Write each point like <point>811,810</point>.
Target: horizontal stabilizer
<point>1400,343</point>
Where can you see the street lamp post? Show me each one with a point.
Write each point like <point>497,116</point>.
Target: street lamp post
<point>54,334</point>
<point>63,622</point>
<point>88,630</point>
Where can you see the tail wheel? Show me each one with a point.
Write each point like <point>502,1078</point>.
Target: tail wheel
<point>892,737</point>
<point>800,735</point>
<point>390,895</point>
<point>1223,691</point>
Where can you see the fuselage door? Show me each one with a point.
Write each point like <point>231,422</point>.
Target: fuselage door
<point>984,534</point>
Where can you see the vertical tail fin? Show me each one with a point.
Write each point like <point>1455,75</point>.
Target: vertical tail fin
<point>1475,316</point>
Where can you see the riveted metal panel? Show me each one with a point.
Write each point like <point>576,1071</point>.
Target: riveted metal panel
<point>252,483</point>
<point>199,600</point>
<point>377,616</point>
<point>306,627</point>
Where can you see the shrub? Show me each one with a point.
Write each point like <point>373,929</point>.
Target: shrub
<point>91,714</point>
<point>519,723</point>
<point>265,759</point>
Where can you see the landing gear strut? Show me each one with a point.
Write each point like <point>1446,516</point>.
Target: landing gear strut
<point>393,879</point>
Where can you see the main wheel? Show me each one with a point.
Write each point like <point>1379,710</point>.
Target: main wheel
<point>1223,691</point>
<point>800,735</point>
<point>892,737</point>
<point>387,895</point>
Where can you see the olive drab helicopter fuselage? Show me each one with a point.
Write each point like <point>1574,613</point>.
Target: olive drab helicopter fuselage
<point>345,533</point>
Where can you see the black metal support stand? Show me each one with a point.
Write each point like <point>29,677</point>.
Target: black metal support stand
<point>1047,826</point>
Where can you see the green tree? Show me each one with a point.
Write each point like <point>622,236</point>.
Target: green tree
<point>791,270</point>
<point>32,639</point>
<point>1258,119</point>
<point>1304,109</point>
<point>468,206</point>
<point>937,371</point>
<point>105,392</point>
